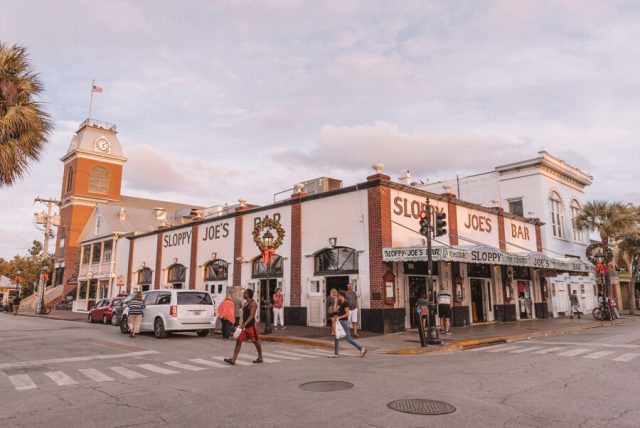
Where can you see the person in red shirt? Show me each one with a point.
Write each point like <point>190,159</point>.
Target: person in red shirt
<point>278,309</point>
<point>227,317</point>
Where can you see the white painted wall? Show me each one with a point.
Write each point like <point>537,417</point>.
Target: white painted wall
<point>405,220</point>
<point>144,251</point>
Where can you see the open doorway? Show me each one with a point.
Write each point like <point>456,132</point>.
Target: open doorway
<point>266,293</point>
<point>477,300</point>
<point>337,282</point>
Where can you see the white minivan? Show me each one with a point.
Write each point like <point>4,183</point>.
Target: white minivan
<point>174,310</point>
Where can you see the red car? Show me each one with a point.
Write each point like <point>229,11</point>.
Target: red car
<point>103,311</point>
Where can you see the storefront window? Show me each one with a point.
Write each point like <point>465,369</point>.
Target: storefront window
<point>478,270</point>
<point>216,270</point>
<point>177,273</point>
<point>336,260</point>
<point>144,276</point>
<point>83,290</point>
<point>419,268</point>
<point>258,270</point>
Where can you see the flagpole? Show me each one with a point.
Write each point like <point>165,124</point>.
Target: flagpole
<point>93,83</point>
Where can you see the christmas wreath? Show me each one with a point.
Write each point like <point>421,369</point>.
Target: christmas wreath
<point>592,249</point>
<point>268,252</point>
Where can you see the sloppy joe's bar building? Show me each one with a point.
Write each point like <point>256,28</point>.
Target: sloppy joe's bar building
<point>366,234</point>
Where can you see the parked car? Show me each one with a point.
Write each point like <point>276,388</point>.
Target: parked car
<point>103,311</point>
<point>167,311</point>
<point>119,309</point>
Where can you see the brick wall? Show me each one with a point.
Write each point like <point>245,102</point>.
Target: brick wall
<point>237,250</point>
<point>502,240</point>
<point>379,202</point>
<point>538,238</point>
<point>158,273</point>
<point>193,262</point>
<point>452,222</point>
<point>296,251</point>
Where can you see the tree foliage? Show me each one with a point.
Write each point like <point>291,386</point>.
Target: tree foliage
<point>609,219</point>
<point>30,266</point>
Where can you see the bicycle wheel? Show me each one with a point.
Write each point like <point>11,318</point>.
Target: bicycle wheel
<point>597,314</point>
<point>47,309</point>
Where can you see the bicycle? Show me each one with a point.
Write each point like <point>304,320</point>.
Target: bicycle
<point>604,311</point>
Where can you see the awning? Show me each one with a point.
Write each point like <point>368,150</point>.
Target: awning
<point>484,254</point>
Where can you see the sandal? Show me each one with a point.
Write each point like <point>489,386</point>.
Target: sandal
<point>257,361</point>
<point>363,352</point>
<point>333,356</point>
<point>229,361</point>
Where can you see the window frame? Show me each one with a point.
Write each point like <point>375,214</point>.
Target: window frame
<point>556,210</point>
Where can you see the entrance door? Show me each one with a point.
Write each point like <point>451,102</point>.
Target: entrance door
<point>316,310</point>
<point>417,286</point>
<point>266,293</point>
<point>477,300</point>
<point>337,282</point>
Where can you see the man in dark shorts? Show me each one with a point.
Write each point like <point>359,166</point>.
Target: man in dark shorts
<point>249,329</point>
<point>444,310</point>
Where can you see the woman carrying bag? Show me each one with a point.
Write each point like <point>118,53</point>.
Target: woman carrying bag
<point>342,327</point>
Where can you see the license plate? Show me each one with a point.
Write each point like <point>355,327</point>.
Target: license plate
<point>196,312</point>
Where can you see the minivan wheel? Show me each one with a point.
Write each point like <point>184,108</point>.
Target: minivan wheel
<point>203,333</point>
<point>124,325</point>
<point>158,329</point>
<point>104,320</point>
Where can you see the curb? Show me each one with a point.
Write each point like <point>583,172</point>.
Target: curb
<point>52,317</point>
<point>297,341</point>
<point>497,340</point>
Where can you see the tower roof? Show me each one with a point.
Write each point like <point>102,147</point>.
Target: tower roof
<point>95,138</point>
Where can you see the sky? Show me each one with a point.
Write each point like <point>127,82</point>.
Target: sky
<point>220,100</point>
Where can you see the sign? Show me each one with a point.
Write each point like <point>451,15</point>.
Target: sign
<point>176,239</point>
<point>120,281</point>
<point>477,226</point>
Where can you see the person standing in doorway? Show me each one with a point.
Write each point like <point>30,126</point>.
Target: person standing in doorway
<point>249,330</point>
<point>227,316</point>
<point>16,304</point>
<point>136,309</point>
<point>278,309</point>
<point>352,300</point>
<point>342,317</point>
<point>575,304</point>
<point>444,310</point>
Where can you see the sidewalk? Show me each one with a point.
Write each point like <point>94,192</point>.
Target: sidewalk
<point>56,315</point>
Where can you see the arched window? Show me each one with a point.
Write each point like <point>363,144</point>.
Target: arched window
<point>177,275</point>
<point>578,234</point>
<point>216,270</point>
<point>99,180</point>
<point>557,215</point>
<point>144,278</point>
<point>339,260</point>
<point>69,179</point>
<point>258,270</point>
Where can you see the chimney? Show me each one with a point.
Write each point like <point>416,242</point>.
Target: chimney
<point>405,178</point>
<point>495,204</point>
<point>122,214</point>
<point>447,191</point>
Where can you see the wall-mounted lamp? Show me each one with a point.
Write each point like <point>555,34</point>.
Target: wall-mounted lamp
<point>214,255</point>
<point>175,260</point>
<point>143,265</point>
<point>333,242</point>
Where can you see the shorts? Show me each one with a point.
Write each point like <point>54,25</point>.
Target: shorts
<point>444,311</point>
<point>250,334</point>
<point>575,309</point>
<point>353,315</point>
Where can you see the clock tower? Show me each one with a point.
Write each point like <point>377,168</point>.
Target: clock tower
<point>92,175</point>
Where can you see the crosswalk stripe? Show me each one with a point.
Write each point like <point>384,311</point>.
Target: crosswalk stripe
<point>310,351</point>
<point>626,357</point>
<point>265,359</point>
<point>183,366</point>
<point>283,356</point>
<point>22,382</point>
<point>549,350</point>
<point>494,348</point>
<point>508,348</point>
<point>61,378</point>
<point>156,369</point>
<point>129,374</point>
<point>297,354</point>
<point>522,351</point>
<point>598,355</point>
<point>238,362</point>
<point>573,352</point>
<point>210,363</point>
<point>96,375</point>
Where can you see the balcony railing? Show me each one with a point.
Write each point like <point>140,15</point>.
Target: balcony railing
<point>98,124</point>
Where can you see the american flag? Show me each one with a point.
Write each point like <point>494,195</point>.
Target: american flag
<point>97,89</point>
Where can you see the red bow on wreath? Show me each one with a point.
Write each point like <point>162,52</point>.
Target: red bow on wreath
<point>601,268</point>
<point>267,255</point>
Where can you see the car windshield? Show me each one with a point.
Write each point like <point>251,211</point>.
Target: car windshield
<point>194,298</point>
<point>116,302</point>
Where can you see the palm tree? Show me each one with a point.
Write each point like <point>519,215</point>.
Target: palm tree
<point>24,124</point>
<point>629,246</point>
<point>610,219</point>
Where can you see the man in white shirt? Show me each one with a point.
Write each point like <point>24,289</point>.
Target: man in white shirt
<point>444,310</point>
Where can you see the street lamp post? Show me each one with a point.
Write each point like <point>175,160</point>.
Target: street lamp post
<point>41,288</point>
<point>601,269</point>
<point>267,239</point>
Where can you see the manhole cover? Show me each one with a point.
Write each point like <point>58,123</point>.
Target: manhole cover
<point>418,406</point>
<point>326,386</point>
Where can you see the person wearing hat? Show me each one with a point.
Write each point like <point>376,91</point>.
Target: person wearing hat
<point>342,316</point>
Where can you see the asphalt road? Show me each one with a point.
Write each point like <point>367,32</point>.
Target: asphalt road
<point>61,373</point>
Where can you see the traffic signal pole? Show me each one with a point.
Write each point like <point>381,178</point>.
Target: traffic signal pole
<point>433,338</point>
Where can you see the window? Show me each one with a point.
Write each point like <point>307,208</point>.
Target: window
<point>95,252</point>
<point>164,298</point>
<point>69,179</point>
<point>150,298</point>
<point>99,180</point>
<point>336,260</point>
<point>515,207</point>
<point>557,215</point>
<point>578,234</point>
<point>144,277</point>
<point>258,270</point>
<point>194,298</point>
<point>86,253</point>
<point>216,270</point>
<point>177,273</point>
<point>106,252</point>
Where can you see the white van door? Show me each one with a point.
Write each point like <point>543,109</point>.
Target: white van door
<point>316,310</point>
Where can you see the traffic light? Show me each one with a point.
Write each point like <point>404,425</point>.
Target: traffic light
<point>424,223</point>
<point>441,224</point>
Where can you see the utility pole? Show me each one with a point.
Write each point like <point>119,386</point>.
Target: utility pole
<point>47,220</point>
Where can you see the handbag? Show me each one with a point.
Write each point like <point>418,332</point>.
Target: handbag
<point>237,332</point>
<point>340,333</point>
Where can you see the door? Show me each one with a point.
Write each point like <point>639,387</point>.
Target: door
<point>317,312</point>
<point>417,287</point>
<point>146,324</point>
<point>265,294</point>
<point>477,300</point>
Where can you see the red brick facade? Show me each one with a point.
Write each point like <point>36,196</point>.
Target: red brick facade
<point>538,238</point>
<point>379,209</point>
<point>158,273</point>
<point>452,222</point>
<point>193,261</point>
<point>237,250</point>
<point>501,233</point>
<point>296,250</point>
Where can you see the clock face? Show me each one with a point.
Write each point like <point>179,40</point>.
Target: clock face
<point>103,144</point>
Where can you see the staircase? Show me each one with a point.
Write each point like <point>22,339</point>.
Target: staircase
<point>52,295</point>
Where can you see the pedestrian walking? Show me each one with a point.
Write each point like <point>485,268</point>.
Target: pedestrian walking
<point>136,309</point>
<point>16,304</point>
<point>575,304</point>
<point>278,309</point>
<point>352,299</point>
<point>444,310</point>
<point>332,306</point>
<point>226,315</point>
<point>422,310</point>
<point>249,330</point>
<point>342,317</point>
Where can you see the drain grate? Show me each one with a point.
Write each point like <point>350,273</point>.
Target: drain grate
<point>418,406</point>
<point>326,386</point>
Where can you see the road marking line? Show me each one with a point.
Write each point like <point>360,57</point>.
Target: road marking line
<point>548,350</point>
<point>96,375</point>
<point>626,357</point>
<point>22,364</point>
<point>265,359</point>
<point>183,366</point>
<point>508,348</point>
<point>129,374</point>
<point>489,347</point>
<point>22,382</point>
<point>61,378</point>
<point>298,354</point>
<point>573,352</point>
<point>522,351</point>
<point>310,351</point>
<point>210,363</point>
<point>604,345</point>
<point>284,356</point>
<point>598,355</point>
<point>156,369</point>
<point>238,362</point>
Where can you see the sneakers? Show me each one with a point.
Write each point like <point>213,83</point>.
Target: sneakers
<point>363,352</point>
<point>230,361</point>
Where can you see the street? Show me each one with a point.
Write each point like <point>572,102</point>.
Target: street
<point>63,373</point>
